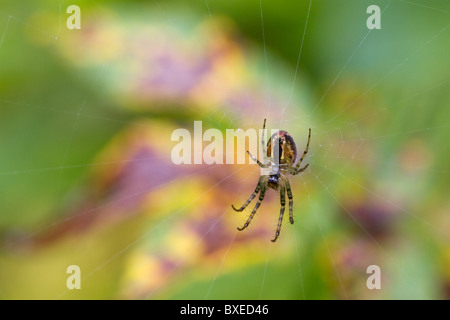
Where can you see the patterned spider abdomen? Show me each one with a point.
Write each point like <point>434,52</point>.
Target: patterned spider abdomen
<point>285,151</point>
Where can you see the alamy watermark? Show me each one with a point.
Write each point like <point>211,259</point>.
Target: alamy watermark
<point>74,20</point>
<point>374,280</point>
<point>74,280</point>
<point>212,147</point>
<point>374,21</point>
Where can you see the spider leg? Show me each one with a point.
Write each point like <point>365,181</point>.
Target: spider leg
<point>261,198</point>
<point>291,201</point>
<point>304,154</point>
<point>262,165</point>
<point>280,220</point>
<point>300,170</point>
<point>258,187</point>
<point>263,143</point>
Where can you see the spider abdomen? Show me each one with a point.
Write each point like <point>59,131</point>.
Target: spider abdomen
<point>285,150</point>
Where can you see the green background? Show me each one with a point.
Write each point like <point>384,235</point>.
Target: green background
<point>377,188</point>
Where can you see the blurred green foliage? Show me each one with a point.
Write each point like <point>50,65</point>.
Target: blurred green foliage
<point>376,193</point>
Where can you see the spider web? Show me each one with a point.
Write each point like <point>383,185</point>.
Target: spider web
<point>338,143</point>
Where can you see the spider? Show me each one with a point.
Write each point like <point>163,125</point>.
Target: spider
<point>278,169</point>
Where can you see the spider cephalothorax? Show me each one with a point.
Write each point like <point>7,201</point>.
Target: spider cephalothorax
<point>279,161</point>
